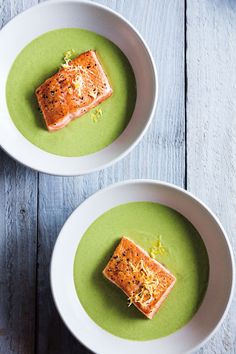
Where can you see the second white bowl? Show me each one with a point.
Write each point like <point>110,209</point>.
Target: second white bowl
<point>26,27</point>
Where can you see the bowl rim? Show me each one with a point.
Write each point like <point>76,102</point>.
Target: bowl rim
<point>60,172</point>
<point>186,193</point>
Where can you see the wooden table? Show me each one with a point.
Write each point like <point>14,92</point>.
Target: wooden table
<point>191,142</point>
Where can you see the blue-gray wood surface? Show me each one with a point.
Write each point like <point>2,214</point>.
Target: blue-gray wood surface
<point>191,142</point>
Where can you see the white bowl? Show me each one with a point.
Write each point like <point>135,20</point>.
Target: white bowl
<point>40,19</point>
<point>221,278</point>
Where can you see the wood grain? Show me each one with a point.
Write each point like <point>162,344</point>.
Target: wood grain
<point>211,124</point>
<point>161,155</point>
<point>18,237</point>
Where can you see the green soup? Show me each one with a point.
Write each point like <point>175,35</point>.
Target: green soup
<point>38,61</point>
<point>185,256</point>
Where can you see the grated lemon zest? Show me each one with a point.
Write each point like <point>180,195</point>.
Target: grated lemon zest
<point>78,84</point>
<point>148,286</point>
<point>82,75</point>
<point>97,115</point>
<point>158,249</point>
<point>68,55</point>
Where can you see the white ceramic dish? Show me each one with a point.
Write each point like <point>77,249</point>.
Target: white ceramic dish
<point>221,280</point>
<point>29,25</point>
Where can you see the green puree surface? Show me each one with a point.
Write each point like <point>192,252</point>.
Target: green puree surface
<point>186,257</point>
<point>42,58</point>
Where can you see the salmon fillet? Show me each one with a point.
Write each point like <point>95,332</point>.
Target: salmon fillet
<point>145,281</point>
<point>80,85</point>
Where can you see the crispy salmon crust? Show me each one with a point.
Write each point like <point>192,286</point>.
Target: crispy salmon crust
<point>145,281</point>
<point>77,87</point>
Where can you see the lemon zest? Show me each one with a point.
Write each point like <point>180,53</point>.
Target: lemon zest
<point>68,55</point>
<point>97,115</point>
<point>78,84</point>
<point>148,288</point>
<point>157,249</point>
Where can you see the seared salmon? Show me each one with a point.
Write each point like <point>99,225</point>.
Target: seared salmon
<point>80,85</point>
<point>145,281</point>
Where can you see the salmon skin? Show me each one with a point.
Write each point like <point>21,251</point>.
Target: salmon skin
<point>145,281</point>
<point>80,85</point>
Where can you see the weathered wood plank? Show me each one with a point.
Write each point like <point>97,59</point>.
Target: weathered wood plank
<point>161,154</point>
<point>18,240</point>
<point>211,124</point>
<point>11,8</point>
